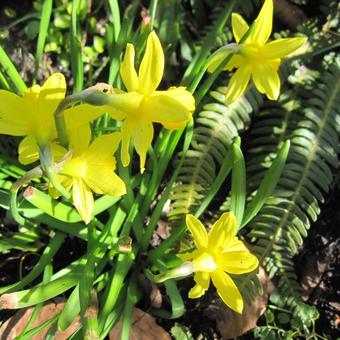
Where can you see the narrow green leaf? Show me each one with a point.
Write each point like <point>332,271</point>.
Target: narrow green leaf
<point>70,311</point>
<point>238,183</point>
<point>43,28</point>
<point>267,185</point>
<point>12,72</point>
<point>75,44</point>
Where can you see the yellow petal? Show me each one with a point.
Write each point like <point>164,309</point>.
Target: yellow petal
<point>142,136</point>
<point>124,104</point>
<point>171,108</point>
<point>217,58</point>
<point>102,180</point>
<point>152,66</point>
<point>14,115</point>
<point>202,280</point>
<point>198,231</point>
<point>222,232</point>
<point>103,147</point>
<point>188,256</point>
<point>239,25</point>
<point>263,25</point>
<point>51,94</point>
<point>238,262</point>
<point>81,114</point>
<point>126,130</point>
<point>266,80</point>
<point>82,199</point>
<point>28,150</point>
<point>237,84</point>
<point>79,139</point>
<point>227,290</point>
<point>281,47</point>
<point>127,69</point>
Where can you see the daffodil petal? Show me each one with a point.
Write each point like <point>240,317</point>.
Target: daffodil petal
<point>152,65</point>
<point>238,262</point>
<point>14,120</point>
<point>188,256</point>
<point>222,231</point>
<point>79,139</point>
<point>28,150</point>
<point>239,25</point>
<point>217,58</point>
<point>238,84</point>
<point>102,180</point>
<point>127,69</point>
<point>171,108</point>
<point>266,80</point>
<point>126,130</point>
<point>202,280</point>
<point>281,47</point>
<point>264,24</point>
<point>124,104</point>
<point>84,113</point>
<point>142,136</point>
<point>236,245</point>
<point>51,94</point>
<point>198,231</point>
<point>65,181</point>
<point>227,290</point>
<point>103,146</point>
<point>82,199</point>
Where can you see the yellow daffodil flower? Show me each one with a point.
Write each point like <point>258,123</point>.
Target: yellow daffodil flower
<point>216,254</point>
<point>32,115</point>
<point>91,168</point>
<point>142,105</point>
<point>255,58</point>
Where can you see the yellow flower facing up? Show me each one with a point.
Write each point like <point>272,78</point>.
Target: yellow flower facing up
<point>32,115</point>
<point>91,168</point>
<point>142,105</point>
<point>218,253</point>
<point>256,58</point>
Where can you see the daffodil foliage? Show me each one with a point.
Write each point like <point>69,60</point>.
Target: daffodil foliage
<point>81,160</point>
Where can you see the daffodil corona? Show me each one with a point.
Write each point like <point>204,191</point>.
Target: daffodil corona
<point>218,254</point>
<point>91,168</point>
<point>142,105</point>
<point>255,58</point>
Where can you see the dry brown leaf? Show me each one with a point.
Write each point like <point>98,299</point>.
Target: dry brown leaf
<point>144,327</point>
<point>232,324</point>
<point>14,325</point>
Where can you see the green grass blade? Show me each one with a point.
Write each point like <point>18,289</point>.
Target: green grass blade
<point>238,183</point>
<point>44,260</point>
<point>115,14</point>
<point>12,72</point>
<point>75,44</point>
<point>43,29</point>
<point>267,185</point>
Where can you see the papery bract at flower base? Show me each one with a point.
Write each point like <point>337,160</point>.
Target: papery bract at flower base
<point>142,105</point>
<point>32,115</point>
<point>216,254</point>
<point>91,168</point>
<point>256,58</point>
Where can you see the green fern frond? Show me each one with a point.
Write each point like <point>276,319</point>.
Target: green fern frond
<point>217,125</point>
<point>283,222</point>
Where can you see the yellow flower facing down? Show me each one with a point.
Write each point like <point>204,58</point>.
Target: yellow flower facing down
<point>142,105</point>
<point>218,253</point>
<point>91,168</point>
<point>32,115</point>
<point>256,58</point>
